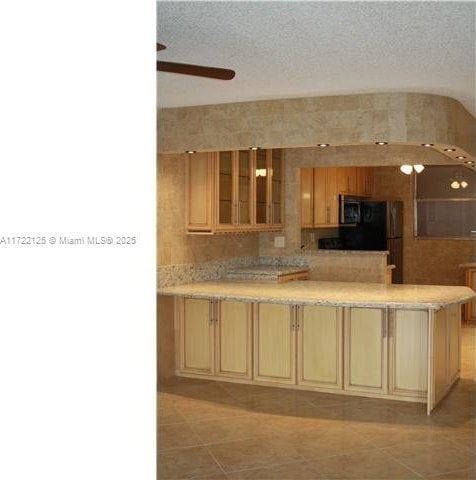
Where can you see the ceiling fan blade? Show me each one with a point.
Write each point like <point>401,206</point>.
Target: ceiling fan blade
<point>198,70</point>
<point>160,47</point>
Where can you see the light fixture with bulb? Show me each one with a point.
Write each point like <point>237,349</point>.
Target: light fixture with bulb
<point>458,181</point>
<point>460,157</point>
<point>191,152</point>
<point>450,149</point>
<point>254,148</point>
<point>427,144</point>
<point>381,143</point>
<point>407,169</point>
<point>323,145</point>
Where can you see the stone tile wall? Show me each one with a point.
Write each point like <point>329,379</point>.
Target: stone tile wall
<point>426,262</point>
<point>411,118</point>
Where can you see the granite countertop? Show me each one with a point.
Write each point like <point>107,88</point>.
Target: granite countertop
<point>346,294</point>
<point>263,272</point>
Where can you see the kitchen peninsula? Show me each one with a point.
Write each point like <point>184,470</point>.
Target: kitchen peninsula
<point>399,342</point>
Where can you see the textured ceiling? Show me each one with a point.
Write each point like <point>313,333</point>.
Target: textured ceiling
<point>296,49</point>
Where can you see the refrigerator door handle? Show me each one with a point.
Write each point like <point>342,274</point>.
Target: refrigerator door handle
<point>391,232</point>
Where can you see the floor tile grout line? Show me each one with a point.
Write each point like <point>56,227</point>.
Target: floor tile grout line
<point>449,473</point>
<point>403,464</point>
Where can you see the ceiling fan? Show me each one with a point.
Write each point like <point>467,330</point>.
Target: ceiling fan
<point>197,70</point>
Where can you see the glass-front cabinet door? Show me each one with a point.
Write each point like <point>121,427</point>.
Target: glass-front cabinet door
<point>276,180</point>
<point>225,188</point>
<point>261,188</point>
<point>243,188</point>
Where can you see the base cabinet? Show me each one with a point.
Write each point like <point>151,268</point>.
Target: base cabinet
<point>214,338</point>
<point>445,341</point>
<point>470,307</point>
<point>408,353</point>
<point>274,343</point>
<point>365,350</point>
<point>396,353</point>
<point>319,347</point>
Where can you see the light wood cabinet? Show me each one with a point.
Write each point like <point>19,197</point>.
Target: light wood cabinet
<point>347,180</point>
<point>365,350</point>
<point>319,346</point>
<point>445,327</point>
<point>307,197</point>
<point>394,353</point>
<point>269,188</point>
<point>319,197</point>
<point>408,352</point>
<point>214,338</point>
<point>470,307</point>
<point>320,190</point>
<point>235,191</point>
<point>196,336</point>
<point>274,343</point>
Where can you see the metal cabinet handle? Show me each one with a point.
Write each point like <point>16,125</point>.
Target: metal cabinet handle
<point>210,312</point>
<point>384,326</point>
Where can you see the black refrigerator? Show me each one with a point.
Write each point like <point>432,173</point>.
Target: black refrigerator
<point>380,228</point>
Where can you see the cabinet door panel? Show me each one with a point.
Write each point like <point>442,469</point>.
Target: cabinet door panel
<point>332,197</point>
<point>320,201</point>
<point>261,187</point>
<point>307,190</point>
<point>276,175</point>
<point>440,362</point>
<point>365,350</point>
<point>274,344</point>
<point>454,320</point>
<point>199,188</point>
<point>196,337</point>
<point>233,341</point>
<point>320,347</point>
<point>225,188</point>
<point>244,187</point>
<point>409,353</point>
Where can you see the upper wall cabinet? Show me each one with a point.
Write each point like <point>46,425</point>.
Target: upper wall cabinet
<point>319,197</point>
<point>235,191</point>
<point>320,189</point>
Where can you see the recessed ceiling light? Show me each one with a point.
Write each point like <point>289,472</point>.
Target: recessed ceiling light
<point>469,162</point>
<point>191,152</point>
<point>254,148</point>
<point>450,149</point>
<point>460,157</point>
<point>381,143</point>
<point>426,144</point>
<point>322,145</point>
<point>418,168</point>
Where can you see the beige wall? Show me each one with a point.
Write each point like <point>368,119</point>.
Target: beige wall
<point>174,246</point>
<point>425,261</point>
<point>408,118</point>
<point>431,262</point>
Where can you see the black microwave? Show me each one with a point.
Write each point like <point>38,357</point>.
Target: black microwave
<point>349,210</point>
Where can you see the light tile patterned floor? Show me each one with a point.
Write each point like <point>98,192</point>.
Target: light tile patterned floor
<point>217,430</point>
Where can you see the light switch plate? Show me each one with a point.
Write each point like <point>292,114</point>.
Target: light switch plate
<point>279,241</point>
